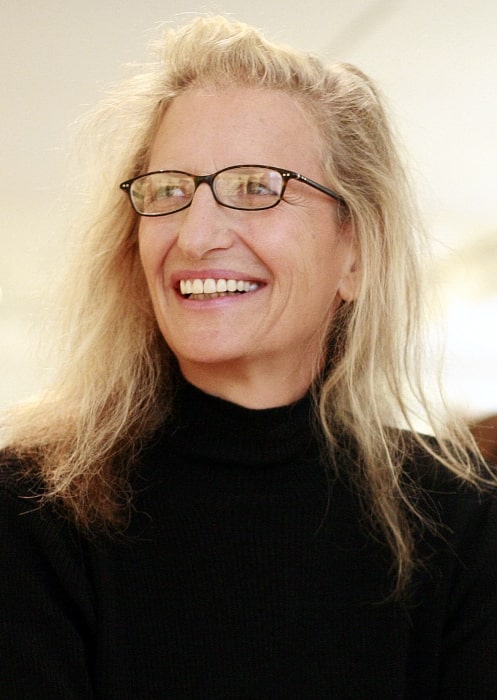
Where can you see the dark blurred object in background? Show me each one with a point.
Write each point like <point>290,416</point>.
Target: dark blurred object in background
<point>485,434</point>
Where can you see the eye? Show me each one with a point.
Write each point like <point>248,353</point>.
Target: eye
<point>254,185</point>
<point>169,190</point>
<point>257,185</point>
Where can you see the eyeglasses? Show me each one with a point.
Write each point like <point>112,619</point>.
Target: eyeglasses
<point>246,187</point>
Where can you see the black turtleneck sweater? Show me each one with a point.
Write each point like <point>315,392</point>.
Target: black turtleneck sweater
<point>244,573</point>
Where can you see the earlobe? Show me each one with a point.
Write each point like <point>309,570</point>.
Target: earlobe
<point>349,284</point>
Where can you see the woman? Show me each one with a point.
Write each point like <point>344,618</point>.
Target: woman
<point>216,500</point>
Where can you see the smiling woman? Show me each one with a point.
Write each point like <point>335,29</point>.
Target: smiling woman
<point>216,493</point>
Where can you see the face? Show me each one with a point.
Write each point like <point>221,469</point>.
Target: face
<point>295,260</point>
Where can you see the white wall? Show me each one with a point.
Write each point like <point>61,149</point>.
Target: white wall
<point>436,60</point>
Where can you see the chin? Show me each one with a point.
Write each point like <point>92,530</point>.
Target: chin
<point>206,356</point>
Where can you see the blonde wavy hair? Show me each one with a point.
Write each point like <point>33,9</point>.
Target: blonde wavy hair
<point>117,376</point>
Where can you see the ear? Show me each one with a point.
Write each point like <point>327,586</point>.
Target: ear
<point>348,288</point>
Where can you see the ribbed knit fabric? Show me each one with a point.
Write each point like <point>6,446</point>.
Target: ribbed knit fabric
<point>244,573</point>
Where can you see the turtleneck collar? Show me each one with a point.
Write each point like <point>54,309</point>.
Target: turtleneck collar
<point>220,431</point>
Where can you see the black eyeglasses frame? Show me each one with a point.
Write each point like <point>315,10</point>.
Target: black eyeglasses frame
<point>287,175</point>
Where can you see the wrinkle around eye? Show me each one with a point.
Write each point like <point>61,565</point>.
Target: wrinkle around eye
<point>294,198</point>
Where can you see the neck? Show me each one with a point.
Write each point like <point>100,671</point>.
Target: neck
<point>247,386</point>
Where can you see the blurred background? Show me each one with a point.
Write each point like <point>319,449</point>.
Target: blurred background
<point>435,60</point>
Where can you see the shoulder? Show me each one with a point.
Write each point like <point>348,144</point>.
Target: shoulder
<point>38,543</point>
<point>28,521</point>
<point>425,471</point>
<point>458,518</point>
<point>18,477</point>
<point>46,590</point>
<point>438,488</point>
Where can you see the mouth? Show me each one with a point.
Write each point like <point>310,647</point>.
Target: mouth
<point>210,288</point>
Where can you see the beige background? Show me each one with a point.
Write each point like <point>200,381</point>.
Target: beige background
<point>436,60</point>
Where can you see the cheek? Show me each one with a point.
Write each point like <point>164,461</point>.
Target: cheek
<point>308,262</point>
<point>330,264</point>
<point>153,248</point>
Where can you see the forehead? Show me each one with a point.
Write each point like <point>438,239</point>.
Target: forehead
<point>204,130</point>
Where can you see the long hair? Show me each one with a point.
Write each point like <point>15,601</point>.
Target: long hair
<point>117,375</point>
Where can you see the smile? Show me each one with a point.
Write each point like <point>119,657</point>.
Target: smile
<point>211,289</point>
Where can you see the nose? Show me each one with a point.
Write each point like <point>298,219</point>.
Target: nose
<point>204,226</point>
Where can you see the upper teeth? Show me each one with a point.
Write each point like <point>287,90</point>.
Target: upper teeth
<point>211,286</point>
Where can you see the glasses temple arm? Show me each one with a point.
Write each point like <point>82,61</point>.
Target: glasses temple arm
<point>321,188</point>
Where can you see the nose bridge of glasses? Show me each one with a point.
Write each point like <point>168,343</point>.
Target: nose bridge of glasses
<point>204,179</point>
